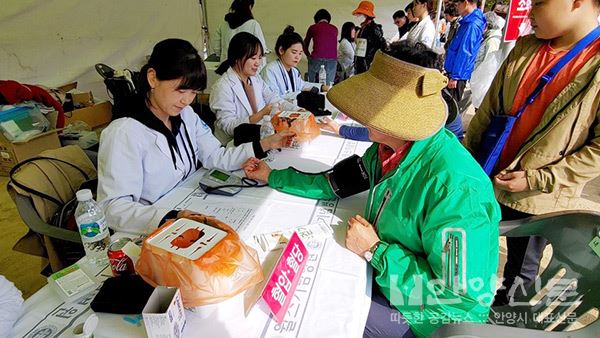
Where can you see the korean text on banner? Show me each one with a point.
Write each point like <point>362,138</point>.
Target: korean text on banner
<point>284,279</point>
<point>518,23</point>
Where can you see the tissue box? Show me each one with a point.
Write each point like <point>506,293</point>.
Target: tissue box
<point>163,315</point>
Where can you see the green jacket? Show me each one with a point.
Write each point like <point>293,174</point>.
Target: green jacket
<point>437,218</point>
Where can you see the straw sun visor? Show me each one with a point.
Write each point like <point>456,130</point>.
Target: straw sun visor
<point>394,97</point>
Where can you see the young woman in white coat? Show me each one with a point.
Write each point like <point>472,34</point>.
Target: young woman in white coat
<point>240,96</point>
<point>144,156</point>
<point>281,75</point>
<point>424,30</point>
<point>239,19</point>
<point>346,50</point>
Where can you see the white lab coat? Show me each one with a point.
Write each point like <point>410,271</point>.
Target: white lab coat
<point>11,306</point>
<point>346,56</point>
<point>230,104</point>
<point>224,34</point>
<point>135,168</point>
<point>423,32</point>
<point>278,79</point>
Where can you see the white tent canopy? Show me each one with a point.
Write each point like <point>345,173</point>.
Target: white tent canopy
<point>53,42</point>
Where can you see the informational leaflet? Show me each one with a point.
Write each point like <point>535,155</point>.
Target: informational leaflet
<point>238,216</point>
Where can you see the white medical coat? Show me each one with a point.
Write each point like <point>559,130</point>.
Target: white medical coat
<point>230,104</point>
<point>279,81</point>
<point>224,33</point>
<point>423,32</point>
<point>135,168</point>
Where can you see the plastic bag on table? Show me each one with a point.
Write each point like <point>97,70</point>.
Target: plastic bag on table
<point>482,77</point>
<point>303,123</point>
<point>225,270</point>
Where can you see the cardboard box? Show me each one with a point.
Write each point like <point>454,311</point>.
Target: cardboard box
<point>98,114</point>
<point>95,116</point>
<point>13,153</point>
<point>164,316</point>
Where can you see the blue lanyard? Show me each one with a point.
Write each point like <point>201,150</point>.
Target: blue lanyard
<point>576,50</point>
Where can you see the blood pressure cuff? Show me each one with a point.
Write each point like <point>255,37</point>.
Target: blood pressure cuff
<point>123,295</point>
<point>246,132</point>
<point>313,102</point>
<point>349,177</point>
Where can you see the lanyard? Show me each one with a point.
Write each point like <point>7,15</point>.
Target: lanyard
<point>288,76</point>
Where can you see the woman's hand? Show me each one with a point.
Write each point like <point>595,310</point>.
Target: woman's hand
<point>257,169</point>
<point>361,235</point>
<point>515,181</point>
<point>257,117</point>
<point>282,139</point>
<point>329,125</point>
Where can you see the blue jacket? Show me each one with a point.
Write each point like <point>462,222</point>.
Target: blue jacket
<point>460,58</point>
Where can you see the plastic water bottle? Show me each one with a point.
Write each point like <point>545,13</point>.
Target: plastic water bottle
<point>92,228</point>
<point>266,127</point>
<point>322,75</point>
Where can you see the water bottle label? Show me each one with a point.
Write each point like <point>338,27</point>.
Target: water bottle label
<point>91,230</point>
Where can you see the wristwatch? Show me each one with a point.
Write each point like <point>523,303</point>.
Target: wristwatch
<point>368,255</point>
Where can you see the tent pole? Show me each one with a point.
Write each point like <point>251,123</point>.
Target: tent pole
<point>438,15</point>
<point>204,27</point>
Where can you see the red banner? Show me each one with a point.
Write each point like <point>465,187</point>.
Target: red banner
<point>517,23</point>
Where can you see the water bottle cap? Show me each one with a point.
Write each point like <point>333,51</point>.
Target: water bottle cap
<point>84,195</point>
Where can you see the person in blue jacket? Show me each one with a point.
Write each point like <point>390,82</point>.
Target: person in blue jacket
<point>461,55</point>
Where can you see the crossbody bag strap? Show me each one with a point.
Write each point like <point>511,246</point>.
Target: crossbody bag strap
<point>35,192</point>
<point>576,50</point>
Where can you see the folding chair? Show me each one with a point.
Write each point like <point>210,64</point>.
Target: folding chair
<point>570,285</point>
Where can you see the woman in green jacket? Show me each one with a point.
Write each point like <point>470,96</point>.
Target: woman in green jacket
<point>430,227</point>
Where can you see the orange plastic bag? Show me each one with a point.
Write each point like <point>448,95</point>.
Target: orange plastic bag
<point>225,270</point>
<point>302,123</point>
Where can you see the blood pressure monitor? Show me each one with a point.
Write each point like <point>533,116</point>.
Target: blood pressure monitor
<point>220,182</point>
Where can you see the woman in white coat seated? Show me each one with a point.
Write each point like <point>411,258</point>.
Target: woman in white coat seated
<point>144,156</point>
<point>240,96</point>
<point>281,75</point>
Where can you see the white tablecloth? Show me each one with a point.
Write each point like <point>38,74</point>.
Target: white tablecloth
<point>332,299</point>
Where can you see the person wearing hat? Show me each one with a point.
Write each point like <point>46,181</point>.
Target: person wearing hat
<point>430,226</point>
<point>370,37</point>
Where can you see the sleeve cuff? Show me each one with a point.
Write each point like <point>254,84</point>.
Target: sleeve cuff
<point>534,180</point>
<point>378,256</point>
<point>343,131</point>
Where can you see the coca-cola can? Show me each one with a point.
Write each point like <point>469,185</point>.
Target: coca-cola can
<point>120,263</point>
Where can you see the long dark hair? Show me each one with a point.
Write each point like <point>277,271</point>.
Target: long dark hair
<point>239,12</point>
<point>287,39</point>
<point>242,46</point>
<point>347,29</point>
<point>173,59</point>
<point>428,3</point>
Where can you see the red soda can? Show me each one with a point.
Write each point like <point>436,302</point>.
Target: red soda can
<point>120,263</point>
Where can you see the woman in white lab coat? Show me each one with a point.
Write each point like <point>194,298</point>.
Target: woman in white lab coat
<point>239,19</point>
<point>241,96</point>
<point>144,156</point>
<point>281,75</point>
<point>346,48</point>
<point>424,30</point>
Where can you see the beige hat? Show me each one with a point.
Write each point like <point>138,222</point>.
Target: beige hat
<point>397,98</point>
